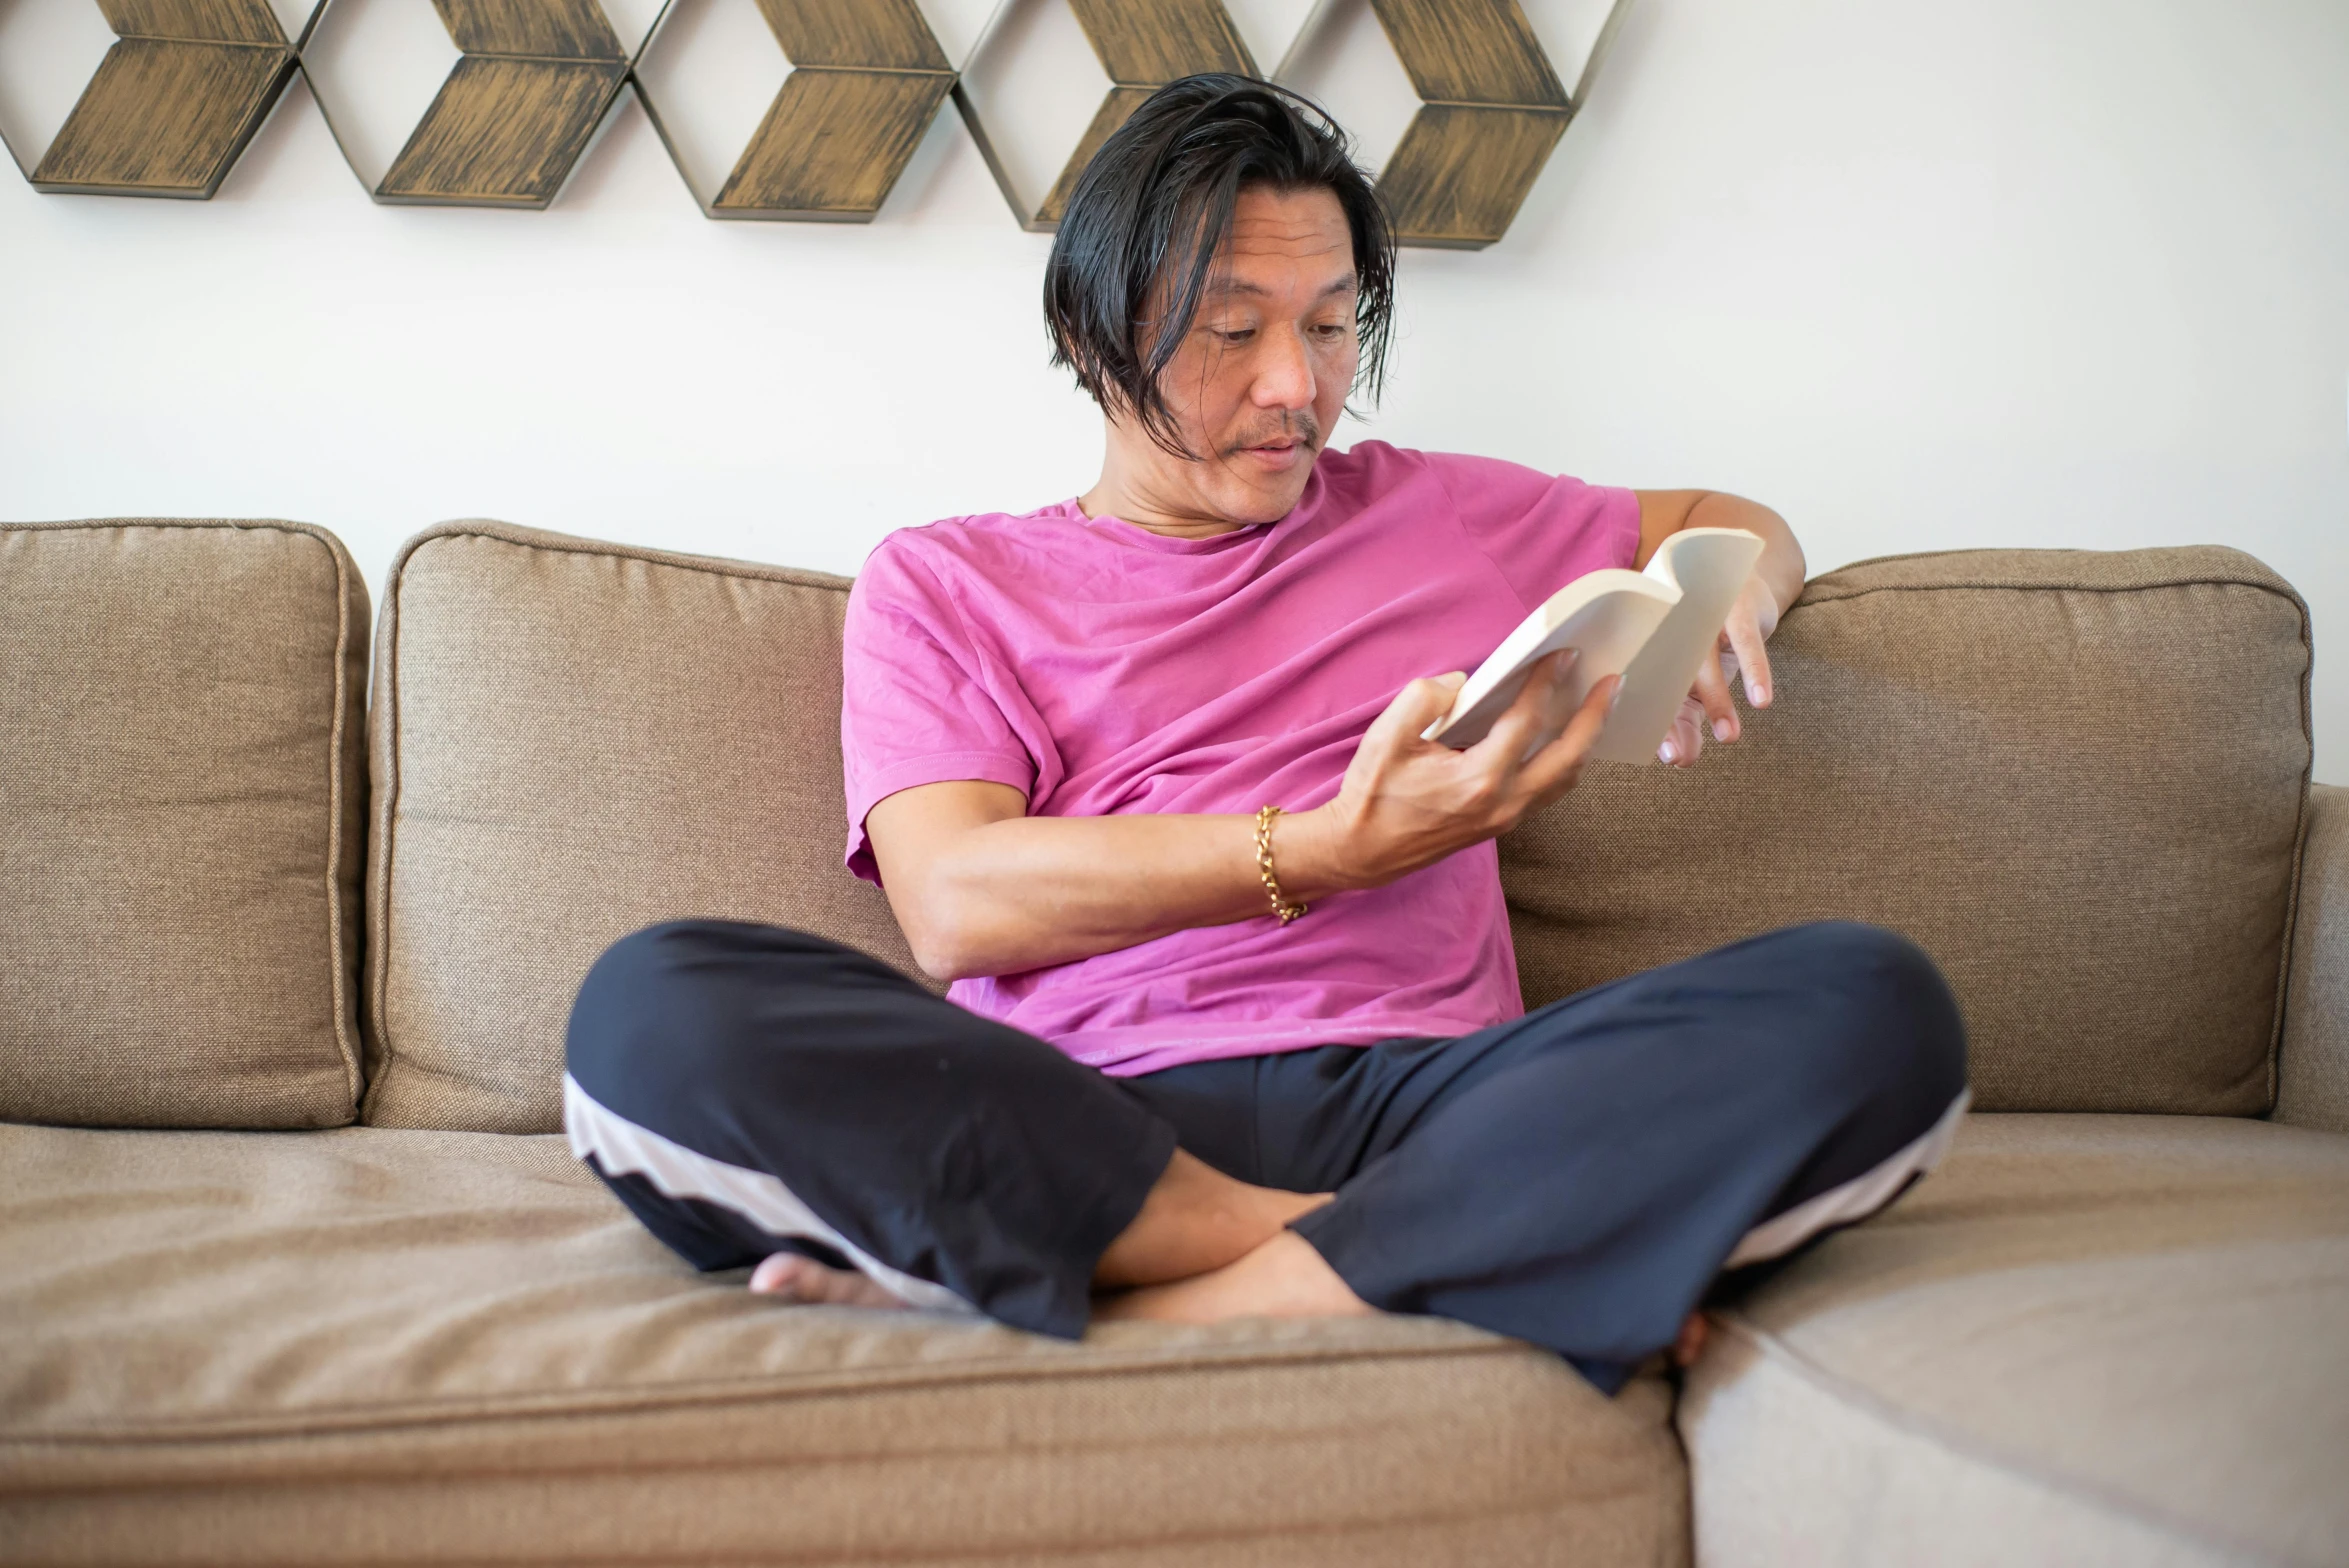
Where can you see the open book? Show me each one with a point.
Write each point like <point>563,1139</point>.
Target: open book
<point>1653,628</point>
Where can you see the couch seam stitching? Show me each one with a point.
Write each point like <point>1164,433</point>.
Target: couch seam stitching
<point>360,1421</point>
<point>345,1023</point>
<point>1022,1554</point>
<point>1837,593</point>
<point>520,538</point>
<point>2308,832</point>
<point>2275,1051</point>
<point>2272,579</point>
<point>386,672</point>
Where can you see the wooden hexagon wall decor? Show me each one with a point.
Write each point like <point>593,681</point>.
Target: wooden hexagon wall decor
<point>187,82</point>
<point>177,97</point>
<point>867,78</point>
<point>531,84</point>
<point>1142,45</point>
<point>1491,109</point>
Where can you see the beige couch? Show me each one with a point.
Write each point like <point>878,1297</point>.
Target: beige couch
<point>294,1269</point>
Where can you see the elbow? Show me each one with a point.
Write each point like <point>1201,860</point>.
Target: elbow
<point>947,960</point>
<point>945,941</point>
<point>1792,550</point>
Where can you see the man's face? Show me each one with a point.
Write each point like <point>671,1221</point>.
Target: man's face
<point>1264,371</point>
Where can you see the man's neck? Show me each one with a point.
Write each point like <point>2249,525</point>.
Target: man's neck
<point>1138,492</point>
<point>1107,500</point>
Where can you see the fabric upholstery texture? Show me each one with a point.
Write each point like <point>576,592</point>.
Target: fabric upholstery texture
<point>2075,778</point>
<point>383,1346</point>
<point>2088,1339</point>
<point>571,740</point>
<point>2313,1088</point>
<point>181,823</point>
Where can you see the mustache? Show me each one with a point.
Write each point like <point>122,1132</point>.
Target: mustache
<point>1300,427</point>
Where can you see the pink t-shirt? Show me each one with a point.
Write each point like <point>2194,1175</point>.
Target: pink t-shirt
<point>1101,668</point>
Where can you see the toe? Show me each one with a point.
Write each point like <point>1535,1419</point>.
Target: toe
<point>779,1275</point>
<point>810,1283</point>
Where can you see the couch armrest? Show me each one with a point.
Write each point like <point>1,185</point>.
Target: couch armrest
<point>2312,1088</point>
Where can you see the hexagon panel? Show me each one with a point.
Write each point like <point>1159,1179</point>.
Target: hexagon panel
<point>1345,64</point>
<point>49,50</point>
<point>863,83</point>
<point>1142,45</point>
<point>374,68</point>
<point>867,77</point>
<point>174,101</point>
<point>532,82</point>
<point>1491,111</point>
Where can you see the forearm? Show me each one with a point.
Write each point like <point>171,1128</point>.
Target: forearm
<point>983,888</point>
<point>1026,892</point>
<point>1781,568</point>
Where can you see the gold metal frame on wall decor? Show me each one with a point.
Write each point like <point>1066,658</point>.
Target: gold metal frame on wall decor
<point>187,83</point>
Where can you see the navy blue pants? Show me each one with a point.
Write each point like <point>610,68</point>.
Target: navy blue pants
<point>1577,1177</point>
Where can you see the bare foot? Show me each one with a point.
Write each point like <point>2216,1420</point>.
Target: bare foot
<point>1690,1343</point>
<point>1197,1219</point>
<point>1283,1277</point>
<point>811,1284</point>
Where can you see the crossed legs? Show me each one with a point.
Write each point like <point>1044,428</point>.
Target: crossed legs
<point>1205,1248</point>
<point>1227,1240</point>
<point>1576,1177</point>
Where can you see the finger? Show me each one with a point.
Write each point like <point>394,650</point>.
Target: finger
<point>1712,691</point>
<point>1556,684</point>
<point>1753,658</point>
<point>1531,721</point>
<point>1415,707</point>
<point>1553,771</point>
<point>1686,738</point>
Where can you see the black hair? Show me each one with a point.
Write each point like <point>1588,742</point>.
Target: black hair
<point>1151,210</point>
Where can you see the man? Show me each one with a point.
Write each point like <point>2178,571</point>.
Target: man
<point>1235,1027</point>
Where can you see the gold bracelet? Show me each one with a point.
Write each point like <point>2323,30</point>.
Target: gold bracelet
<point>1272,884</point>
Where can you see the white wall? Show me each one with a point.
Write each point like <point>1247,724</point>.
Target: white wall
<point>1921,275</point>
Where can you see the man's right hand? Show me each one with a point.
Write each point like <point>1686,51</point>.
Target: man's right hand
<point>1408,802</point>
<point>982,888</point>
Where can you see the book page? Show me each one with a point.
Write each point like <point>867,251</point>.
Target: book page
<point>1606,615</point>
<point>1709,567</point>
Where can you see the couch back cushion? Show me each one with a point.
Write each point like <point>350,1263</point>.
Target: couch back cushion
<point>2077,779</point>
<point>181,821</point>
<point>571,740</point>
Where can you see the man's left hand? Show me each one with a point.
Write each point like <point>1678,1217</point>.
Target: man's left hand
<point>1740,653</point>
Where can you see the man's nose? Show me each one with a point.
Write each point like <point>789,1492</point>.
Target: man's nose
<point>1284,373</point>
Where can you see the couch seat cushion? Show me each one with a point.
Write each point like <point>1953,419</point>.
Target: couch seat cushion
<point>2088,1339</point>
<point>412,1346</point>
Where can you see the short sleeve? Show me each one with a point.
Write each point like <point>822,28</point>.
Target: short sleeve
<point>915,702</point>
<point>1541,530</point>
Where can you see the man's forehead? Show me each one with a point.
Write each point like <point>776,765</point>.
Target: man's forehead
<point>1278,239</point>
<point>1222,283</point>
